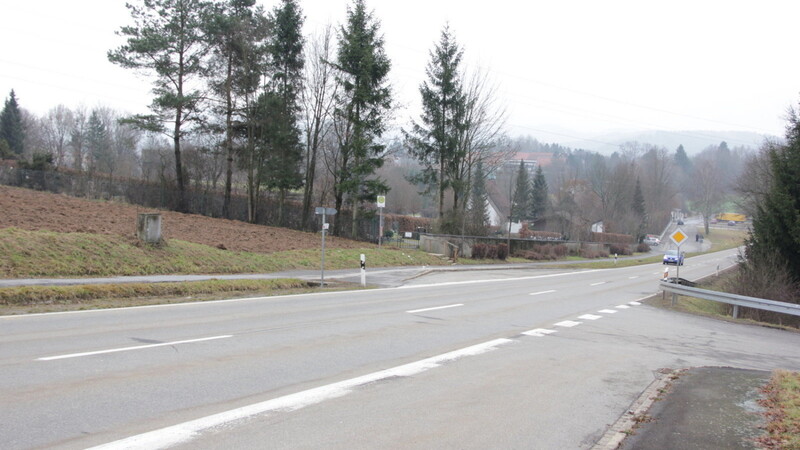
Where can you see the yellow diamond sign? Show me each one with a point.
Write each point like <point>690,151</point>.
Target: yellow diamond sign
<point>678,237</point>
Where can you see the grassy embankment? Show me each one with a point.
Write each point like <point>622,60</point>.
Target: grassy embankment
<point>44,254</point>
<point>782,403</point>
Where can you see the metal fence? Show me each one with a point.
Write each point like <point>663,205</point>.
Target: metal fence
<point>732,299</point>
<point>401,242</point>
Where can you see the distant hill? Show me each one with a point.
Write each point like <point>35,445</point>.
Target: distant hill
<point>693,141</point>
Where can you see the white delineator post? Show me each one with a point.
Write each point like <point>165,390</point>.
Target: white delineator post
<point>363,270</point>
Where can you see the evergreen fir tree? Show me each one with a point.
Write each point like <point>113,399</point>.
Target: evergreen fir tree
<point>478,214</point>
<point>98,145</point>
<point>539,195</point>
<point>520,203</point>
<point>682,159</point>
<point>363,105</point>
<point>282,135</point>
<point>776,226</point>
<point>434,140</point>
<point>11,128</point>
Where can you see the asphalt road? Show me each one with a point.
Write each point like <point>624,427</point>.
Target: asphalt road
<point>502,359</point>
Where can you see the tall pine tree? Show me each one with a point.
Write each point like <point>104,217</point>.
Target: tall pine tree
<point>477,222</point>
<point>434,140</point>
<point>539,195</point>
<point>11,129</point>
<point>362,107</point>
<point>776,225</point>
<point>167,39</point>
<point>520,202</point>
<point>237,31</point>
<point>282,139</point>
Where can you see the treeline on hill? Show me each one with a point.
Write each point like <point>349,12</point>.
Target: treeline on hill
<point>255,121</point>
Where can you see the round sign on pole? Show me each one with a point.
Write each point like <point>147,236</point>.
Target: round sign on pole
<point>381,201</point>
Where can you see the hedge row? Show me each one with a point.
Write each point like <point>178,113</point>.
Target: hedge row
<point>487,251</point>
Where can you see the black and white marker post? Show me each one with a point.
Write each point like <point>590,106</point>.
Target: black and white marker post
<point>363,270</point>
<point>329,212</point>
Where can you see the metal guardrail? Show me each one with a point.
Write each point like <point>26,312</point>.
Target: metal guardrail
<point>732,299</point>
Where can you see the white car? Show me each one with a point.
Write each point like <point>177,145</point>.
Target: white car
<point>652,240</point>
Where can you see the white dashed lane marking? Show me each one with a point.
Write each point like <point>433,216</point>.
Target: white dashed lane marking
<point>539,332</point>
<point>590,317</point>
<point>434,308</point>
<point>542,292</point>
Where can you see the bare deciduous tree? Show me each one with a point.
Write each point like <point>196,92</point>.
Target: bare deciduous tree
<point>56,127</point>
<point>318,98</point>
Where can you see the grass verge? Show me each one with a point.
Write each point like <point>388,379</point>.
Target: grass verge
<point>38,299</point>
<point>32,254</point>
<point>782,403</point>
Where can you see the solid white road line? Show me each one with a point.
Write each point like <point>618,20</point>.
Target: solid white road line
<point>598,284</point>
<point>126,349</point>
<point>538,332</point>
<point>494,280</point>
<point>590,317</point>
<point>567,324</point>
<point>184,432</point>
<point>542,292</point>
<point>434,308</point>
<point>633,278</point>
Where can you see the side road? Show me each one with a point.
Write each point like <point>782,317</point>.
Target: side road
<point>382,276</point>
<point>379,276</point>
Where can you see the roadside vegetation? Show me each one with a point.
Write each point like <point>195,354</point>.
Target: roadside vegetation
<point>782,403</point>
<point>29,254</point>
<point>41,299</point>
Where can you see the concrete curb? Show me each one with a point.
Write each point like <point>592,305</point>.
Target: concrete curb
<point>617,433</point>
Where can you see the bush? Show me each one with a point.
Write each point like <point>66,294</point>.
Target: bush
<point>479,251</point>
<point>502,251</point>
<point>619,249</point>
<point>642,248</point>
<point>612,238</point>
<point>491,252</point>
<point>589,253</point>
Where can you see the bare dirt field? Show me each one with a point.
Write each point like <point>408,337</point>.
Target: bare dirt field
<point>34,210</point>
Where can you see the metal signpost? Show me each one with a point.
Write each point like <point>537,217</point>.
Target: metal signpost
<point>324,212</point>
<point>678,237</point>
<point>381,204</point>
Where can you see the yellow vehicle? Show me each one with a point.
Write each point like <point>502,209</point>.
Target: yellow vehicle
<point>731,217</point>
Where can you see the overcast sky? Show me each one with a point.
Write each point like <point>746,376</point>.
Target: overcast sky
<point>562,68</point>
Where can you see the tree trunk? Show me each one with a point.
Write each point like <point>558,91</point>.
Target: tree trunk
<point>337,228</point>
<point>226,204</point>
<point>311,166</point>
